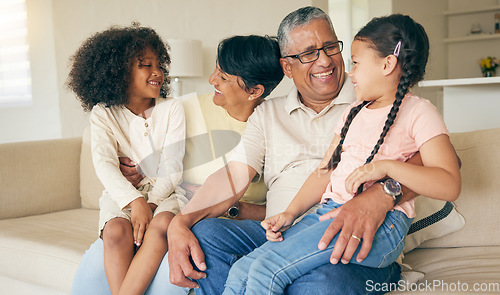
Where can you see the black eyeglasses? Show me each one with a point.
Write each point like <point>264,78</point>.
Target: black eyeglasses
<point>313,55</point>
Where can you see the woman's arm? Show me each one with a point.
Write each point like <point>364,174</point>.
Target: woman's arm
<point>251,211</point>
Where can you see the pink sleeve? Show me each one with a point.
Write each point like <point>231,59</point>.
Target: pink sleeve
<point>427,123</point>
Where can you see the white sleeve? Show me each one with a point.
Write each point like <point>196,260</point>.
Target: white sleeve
<point>252,148</point>
<point>172,154</point>
<point>105,157</point>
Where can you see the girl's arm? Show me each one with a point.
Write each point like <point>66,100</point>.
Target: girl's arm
<point>313,189</point>
<point>309,194</point>
<point>439,178</point>
<point>104,145</point>
<point>172,153</point>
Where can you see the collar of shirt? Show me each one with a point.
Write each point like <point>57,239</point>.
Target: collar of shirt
<point>345,96</point>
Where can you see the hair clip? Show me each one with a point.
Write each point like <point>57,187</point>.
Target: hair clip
<point>398,47</point>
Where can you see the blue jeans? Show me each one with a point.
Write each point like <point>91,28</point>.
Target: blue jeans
<point>90,278</point>
<point>225,241</point>
<point>272,267</point>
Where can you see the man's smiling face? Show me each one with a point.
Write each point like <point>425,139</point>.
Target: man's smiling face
<point>321,80</point>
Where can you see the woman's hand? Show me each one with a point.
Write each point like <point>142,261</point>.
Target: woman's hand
<point>369,172</point>
<point>141,217</point>
<point>130,170</point>
<point>277,224</point>
<point>190,189</point>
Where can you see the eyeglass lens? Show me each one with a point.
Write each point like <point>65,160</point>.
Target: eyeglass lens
<point>312,55</point>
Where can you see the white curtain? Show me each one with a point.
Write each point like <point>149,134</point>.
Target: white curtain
<point>15,75</point>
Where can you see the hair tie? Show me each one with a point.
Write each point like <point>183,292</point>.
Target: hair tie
<point>397,49</point>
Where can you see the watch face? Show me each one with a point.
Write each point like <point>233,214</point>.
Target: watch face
<point>233,211</point>
<point>393,187</point>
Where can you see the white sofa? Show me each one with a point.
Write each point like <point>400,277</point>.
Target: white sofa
<point>48,217</point>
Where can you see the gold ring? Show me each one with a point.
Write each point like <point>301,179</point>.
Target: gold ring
<point>356,238</point>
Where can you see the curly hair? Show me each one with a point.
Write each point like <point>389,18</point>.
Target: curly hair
<point>102,66</point>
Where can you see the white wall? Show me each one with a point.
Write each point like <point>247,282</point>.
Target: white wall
<point>57,28</point>
<point>41,119</point>
<point>208,21</point>
<point>429,13</point>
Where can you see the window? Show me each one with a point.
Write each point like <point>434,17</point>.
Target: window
<point>15,75</point>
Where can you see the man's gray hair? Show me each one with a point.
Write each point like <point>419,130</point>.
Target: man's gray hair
<point>295,19</point>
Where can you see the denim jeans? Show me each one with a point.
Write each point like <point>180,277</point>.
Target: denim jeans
<point>90,278</point>
<point>225,241</point>
<point>275,265</point>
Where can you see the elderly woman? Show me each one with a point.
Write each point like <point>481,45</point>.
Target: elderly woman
<point>247,70</point>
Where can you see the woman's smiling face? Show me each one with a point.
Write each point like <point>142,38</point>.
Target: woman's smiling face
<point>229,89</point>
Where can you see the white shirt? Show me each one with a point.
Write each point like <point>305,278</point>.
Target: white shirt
<point>155,143</point>
<point>285,140</point>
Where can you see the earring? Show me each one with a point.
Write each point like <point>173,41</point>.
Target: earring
<point>249,98</point>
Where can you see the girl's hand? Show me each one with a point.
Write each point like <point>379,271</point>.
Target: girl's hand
<point>369,172</point>
<point>141,217</point>
<point>277,224</point>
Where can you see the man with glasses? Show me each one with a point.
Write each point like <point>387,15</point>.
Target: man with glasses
<point>285,140</point>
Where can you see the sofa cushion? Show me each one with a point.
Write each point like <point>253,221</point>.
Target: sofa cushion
<point>91,187</point>
<point>467,264</point>
<point>479,199</point>
<point>434,219</point>
<point>35,248</point>
<point>28,172</point>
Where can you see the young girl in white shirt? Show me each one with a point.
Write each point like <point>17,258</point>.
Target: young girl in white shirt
<point>377,134</point>
<point>121,75</point>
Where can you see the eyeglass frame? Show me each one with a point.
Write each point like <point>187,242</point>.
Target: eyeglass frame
<point>297,56</point>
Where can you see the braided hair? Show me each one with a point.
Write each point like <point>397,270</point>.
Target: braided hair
<point>384,34</point>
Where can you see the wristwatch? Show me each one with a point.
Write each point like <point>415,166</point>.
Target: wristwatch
<point>233,211</point>
<point>392,188</point>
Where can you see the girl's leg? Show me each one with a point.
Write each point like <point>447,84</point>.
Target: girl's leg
<point>299,254</point>
<point>118,251</point>
<point>147,260</point>
<point>238,274</point>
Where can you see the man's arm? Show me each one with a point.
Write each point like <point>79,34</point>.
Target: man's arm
<point>219,192</point>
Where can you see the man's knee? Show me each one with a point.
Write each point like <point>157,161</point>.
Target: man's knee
<point>342,279</point>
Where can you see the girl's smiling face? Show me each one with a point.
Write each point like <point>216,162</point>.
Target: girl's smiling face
<point>147,76</point>
<point>366,72</point>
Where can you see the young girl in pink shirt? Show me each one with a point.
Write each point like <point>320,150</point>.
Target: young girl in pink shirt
<point>377,134</point>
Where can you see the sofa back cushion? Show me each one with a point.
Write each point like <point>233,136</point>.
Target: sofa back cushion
<point>39,177</point>
<point>479,200</point>
<point>90,186</point>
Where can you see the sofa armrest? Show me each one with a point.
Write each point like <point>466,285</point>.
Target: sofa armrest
<point>39,177</point>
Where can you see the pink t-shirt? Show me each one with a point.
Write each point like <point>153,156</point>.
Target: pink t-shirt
<point>417,121</point>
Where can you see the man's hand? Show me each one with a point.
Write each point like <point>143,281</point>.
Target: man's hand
<point>140,219</point>
<point>129,169</point>
<point>360,218</point>
<point>182,245</point>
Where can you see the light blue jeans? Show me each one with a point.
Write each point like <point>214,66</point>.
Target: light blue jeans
<point>90,278</point>
<point>275,265</point>
<point>225,241</point>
